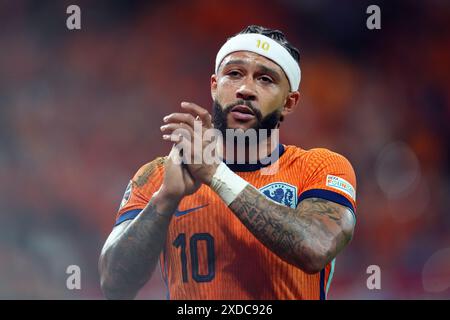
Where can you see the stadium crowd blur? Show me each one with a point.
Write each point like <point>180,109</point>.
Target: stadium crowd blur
<point>80,112</point>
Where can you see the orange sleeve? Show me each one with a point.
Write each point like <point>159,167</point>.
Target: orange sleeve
<point>329,176</point>
<point>140,190</point>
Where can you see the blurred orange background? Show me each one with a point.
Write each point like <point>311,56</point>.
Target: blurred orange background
<point>80,112</point>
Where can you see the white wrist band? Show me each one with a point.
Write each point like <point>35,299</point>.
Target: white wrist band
<point>227,184</point>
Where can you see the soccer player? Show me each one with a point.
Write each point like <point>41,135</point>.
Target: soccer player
<point>229,230</point>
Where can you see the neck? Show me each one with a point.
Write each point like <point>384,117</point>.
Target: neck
<point>245,153</point>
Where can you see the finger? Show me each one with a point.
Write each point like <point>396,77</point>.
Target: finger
<point>196,110</point>
<point>171,127</point>
<point>175,156</point>
<point>176,138</point>
<point>180,117</point>
<point>180,136</point>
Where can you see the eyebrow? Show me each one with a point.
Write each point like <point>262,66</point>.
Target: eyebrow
<point>273,73</point>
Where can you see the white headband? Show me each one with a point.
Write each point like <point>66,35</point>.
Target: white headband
<point>266,47</point>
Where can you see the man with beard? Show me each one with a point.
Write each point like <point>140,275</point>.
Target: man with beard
<point>227,230</point>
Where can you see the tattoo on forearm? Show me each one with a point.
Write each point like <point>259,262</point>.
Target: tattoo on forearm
<point>315,226</point>
<point>133,254</point>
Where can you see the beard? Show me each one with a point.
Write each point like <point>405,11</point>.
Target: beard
<point>220,116</point>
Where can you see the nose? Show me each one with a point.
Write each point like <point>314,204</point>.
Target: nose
<point>246,91</point>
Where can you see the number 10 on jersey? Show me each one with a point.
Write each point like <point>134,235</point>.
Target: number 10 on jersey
<point>181,242</point>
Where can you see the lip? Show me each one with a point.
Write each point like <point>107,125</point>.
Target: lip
<point>242,109</point>
<point>242,113</point>
<point>242,116</point>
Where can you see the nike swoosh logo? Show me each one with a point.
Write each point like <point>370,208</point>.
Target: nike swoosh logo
<point>182,213</point>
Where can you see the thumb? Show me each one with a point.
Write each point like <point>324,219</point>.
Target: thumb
<point>174,155</point>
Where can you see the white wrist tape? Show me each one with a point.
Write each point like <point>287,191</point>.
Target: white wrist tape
<point>266,47</point>
<point>227,184</point>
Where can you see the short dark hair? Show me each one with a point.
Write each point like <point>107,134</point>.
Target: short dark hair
<point>276,35</point>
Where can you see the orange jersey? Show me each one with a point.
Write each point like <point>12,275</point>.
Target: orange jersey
<point>210,254</point>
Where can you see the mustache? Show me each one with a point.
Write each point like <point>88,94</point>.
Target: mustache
<point>247,103</point>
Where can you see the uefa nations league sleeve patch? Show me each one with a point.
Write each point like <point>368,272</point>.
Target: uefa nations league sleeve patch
<point>126,195</point>
<point>341,185</point>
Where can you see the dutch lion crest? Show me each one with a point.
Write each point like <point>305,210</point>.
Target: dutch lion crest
<point>282,193</point>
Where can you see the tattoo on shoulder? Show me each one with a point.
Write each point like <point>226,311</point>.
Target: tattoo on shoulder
<point>148,170</point>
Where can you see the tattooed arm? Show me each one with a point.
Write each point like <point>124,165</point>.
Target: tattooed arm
<point>131,252</point>
<point>308,237</point>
